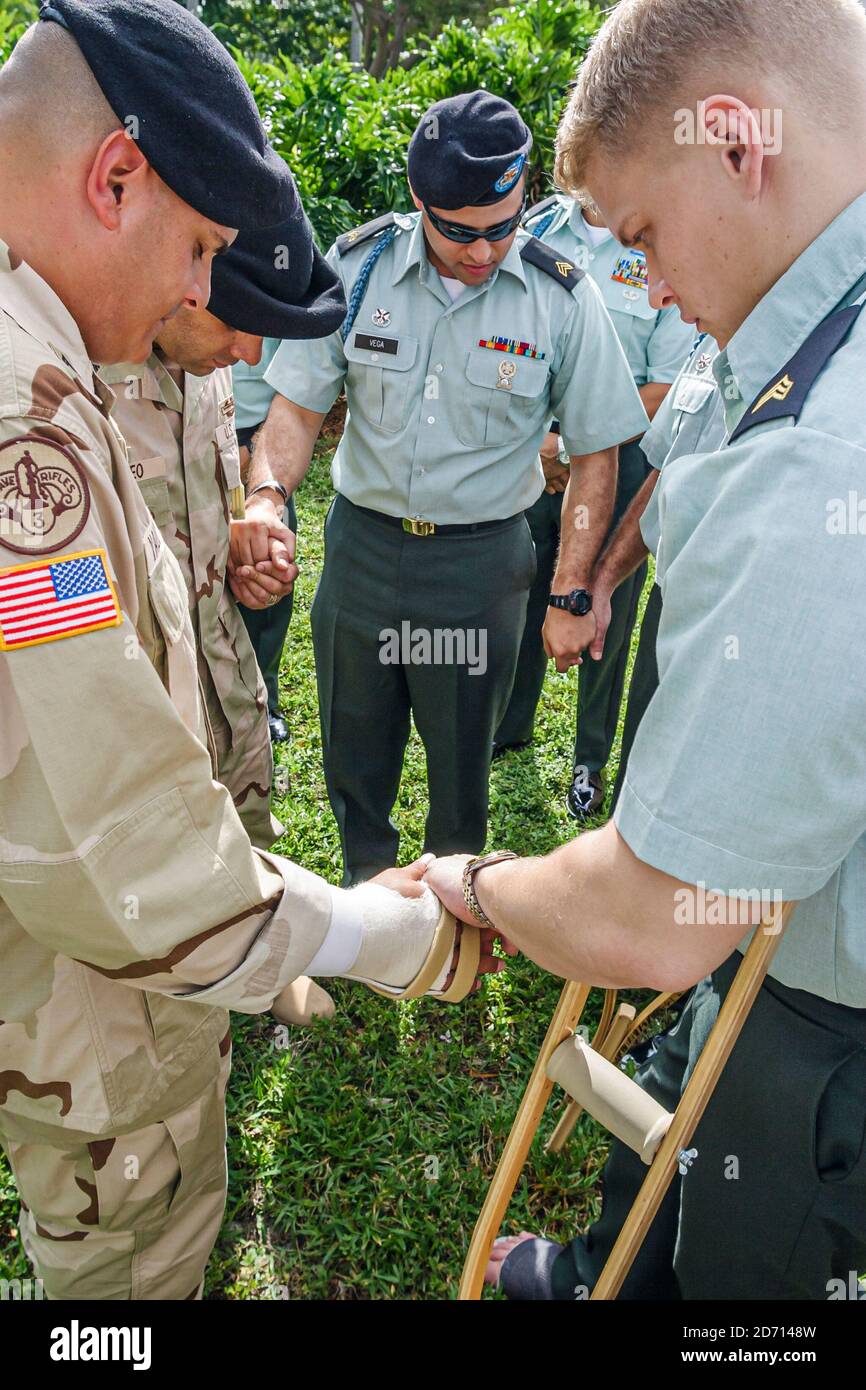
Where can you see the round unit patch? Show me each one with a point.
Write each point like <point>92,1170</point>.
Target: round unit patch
<point>510,177</point>
<point>44,497</point>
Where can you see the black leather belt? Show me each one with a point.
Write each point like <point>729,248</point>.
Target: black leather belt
<point>416,527</point>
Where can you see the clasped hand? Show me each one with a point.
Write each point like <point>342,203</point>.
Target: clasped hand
<point>445,877</point>
<point>261,564</point>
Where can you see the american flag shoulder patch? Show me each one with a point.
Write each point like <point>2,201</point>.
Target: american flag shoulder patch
<point>50,599</point>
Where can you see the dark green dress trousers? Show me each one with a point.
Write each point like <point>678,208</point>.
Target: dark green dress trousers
<point>600,683</point>
<point>421,626</point>
<point>644,681</point>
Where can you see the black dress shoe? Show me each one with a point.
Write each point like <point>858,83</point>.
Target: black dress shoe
<point>278,727</point>
<point>499,749</point>
<point>585,795</point>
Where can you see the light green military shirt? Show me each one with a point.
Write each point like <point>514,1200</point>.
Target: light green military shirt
<point>253,395</point>
<point>689,419</point>
<point>656,342</point>
<point>748,772</point>
<point>442,425</point>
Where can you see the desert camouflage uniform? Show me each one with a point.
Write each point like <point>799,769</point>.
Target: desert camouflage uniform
<point>127,881</point>
<point>183,453</point>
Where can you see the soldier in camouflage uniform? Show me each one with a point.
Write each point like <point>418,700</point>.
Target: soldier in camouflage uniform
<point>133,909</point>
<point>176,413</point>
<point>183,453</point>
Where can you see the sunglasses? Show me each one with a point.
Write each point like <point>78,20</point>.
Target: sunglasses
<point>455,231</point>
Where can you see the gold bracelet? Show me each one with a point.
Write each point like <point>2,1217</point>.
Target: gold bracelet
<point>471,868</point>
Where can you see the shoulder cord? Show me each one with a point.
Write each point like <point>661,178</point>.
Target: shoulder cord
<point>360,287</point>
<point>543,223</point>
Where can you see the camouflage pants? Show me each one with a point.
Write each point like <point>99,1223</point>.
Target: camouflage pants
<point>133,1217</point>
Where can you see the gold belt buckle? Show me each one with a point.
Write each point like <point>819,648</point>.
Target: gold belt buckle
<point>418,527</point>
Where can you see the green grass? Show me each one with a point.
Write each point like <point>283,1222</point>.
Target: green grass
<point>360,1154</point>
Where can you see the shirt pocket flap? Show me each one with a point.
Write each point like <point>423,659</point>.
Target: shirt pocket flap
<point>692,393</point>
<point>620,301</point>
<point>485,367</point>
<point>378,350</point>
<point>157,500</point>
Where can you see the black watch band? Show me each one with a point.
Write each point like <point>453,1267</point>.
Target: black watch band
<point>577,602</point>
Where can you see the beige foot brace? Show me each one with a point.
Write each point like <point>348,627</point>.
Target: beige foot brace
<point>441,950</point>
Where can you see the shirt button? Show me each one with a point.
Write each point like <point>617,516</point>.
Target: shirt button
<point>431,419</point>
<point>439,367</point>
<point>374,357</point>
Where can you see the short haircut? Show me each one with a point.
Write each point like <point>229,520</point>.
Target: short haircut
<point>653,57</point>
<point>49,96</point>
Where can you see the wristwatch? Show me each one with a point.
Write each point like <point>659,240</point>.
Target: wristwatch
<point>273,486</point>
<point>470,870</point>
<point>578,602</point>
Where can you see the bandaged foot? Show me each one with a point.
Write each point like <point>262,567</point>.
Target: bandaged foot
<point>397,938</point>
<point>403,947</point>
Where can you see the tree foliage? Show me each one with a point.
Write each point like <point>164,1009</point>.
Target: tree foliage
<point>15,17</point>
<point>304,30</point>
<point>391,32</point>
<point>345,133</point>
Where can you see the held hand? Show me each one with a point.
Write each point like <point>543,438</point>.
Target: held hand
<point>556,473</point>
<point>557,479</point>
<point>256,584</point>
<point>250,539</point>
<point>445,877</point>
<point>405,881</point>
<point>256,587</point>
<point>413,881</point>
<point>567,636</point>
<point>601,609</point>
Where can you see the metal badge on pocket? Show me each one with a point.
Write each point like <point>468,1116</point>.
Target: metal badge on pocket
<point>507,373</point>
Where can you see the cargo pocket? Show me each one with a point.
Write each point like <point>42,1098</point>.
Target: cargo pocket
<point>634,321</point>
<point>495,413</point>
<point>378,381</point>
<point>136,1176</point>
<point>239,650</point>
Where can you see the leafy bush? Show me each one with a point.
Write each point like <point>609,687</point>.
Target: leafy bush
<point>15,17</point>
<point>345,133</point>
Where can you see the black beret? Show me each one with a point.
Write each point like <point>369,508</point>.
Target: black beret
<point>195,118</point>
<point>277,283</point>
<point>468,151</point>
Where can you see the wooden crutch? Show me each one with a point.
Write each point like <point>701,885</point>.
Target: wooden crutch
<point>615,1038</point>
<point>673,1147</point>
<point>566,1017</point>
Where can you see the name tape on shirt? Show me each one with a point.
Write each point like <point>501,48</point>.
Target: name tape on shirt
<point>366,340</point>
<point>143,470</point>
<point>51,599</point>
<point>225,436</point>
